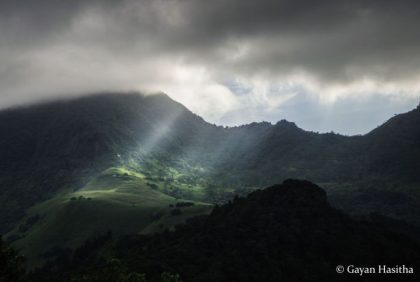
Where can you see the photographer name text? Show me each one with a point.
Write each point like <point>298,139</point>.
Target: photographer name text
<point>380,269</point>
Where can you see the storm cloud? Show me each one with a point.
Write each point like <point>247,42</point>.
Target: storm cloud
<point>219,58</point>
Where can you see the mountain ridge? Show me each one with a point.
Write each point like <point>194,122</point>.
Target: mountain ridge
<point>62,144</point>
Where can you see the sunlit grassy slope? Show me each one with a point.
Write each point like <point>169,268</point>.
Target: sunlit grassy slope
<point>117,200</point>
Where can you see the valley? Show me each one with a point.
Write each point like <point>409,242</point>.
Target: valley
<point>128,163</point>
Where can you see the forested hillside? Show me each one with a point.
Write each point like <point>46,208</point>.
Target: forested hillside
<point>133,144</point>
<point>285,232</point>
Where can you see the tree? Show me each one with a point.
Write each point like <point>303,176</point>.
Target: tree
<point>170,277</point>
<point>11,264</point>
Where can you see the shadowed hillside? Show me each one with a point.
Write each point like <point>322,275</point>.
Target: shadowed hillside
<point>59,147</point>
<point>48,147</point>
<point>286,232</point>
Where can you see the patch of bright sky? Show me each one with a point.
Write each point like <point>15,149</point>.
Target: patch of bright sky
<point>345,114</point>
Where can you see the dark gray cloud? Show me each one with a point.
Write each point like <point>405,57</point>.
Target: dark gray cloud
<point>332,39</point>
<point>326,37</point>
<point>329,49</point>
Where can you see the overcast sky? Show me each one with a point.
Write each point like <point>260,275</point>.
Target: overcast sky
<point>328,65</point>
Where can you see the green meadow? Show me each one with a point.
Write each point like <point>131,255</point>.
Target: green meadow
<point>118,200</point>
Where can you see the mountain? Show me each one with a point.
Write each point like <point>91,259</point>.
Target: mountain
<point>46,147</point>
<point>390,156</point>
<point>286,232</point>
<point>393,149</point>
<point>53,152</point>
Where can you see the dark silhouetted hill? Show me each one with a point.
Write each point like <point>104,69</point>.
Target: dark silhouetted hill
<point>286,232</point>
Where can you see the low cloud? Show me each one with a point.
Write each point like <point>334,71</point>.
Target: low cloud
<point>219,58</point>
